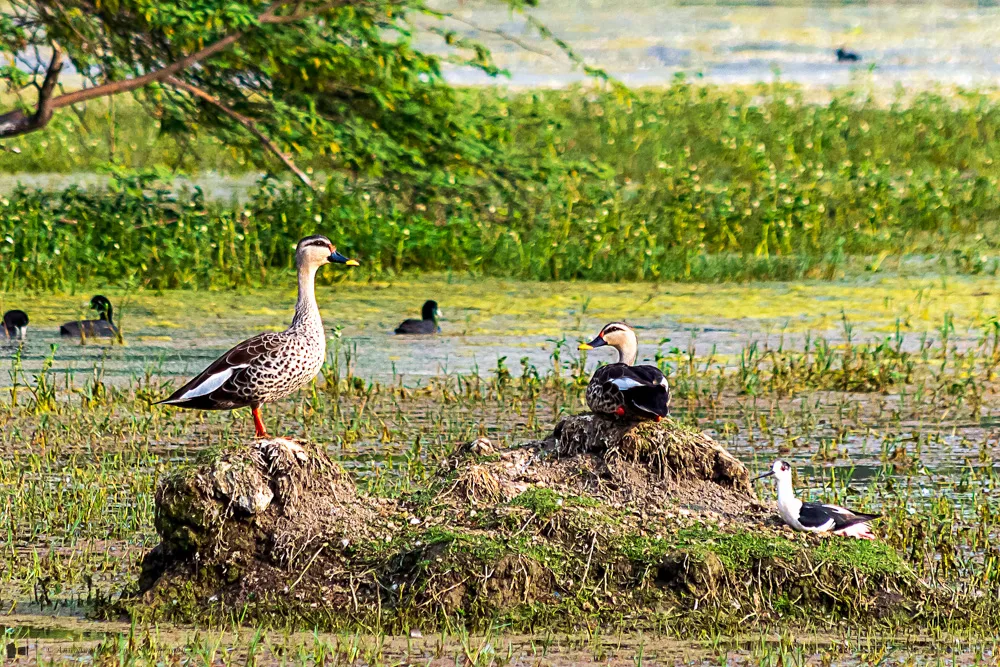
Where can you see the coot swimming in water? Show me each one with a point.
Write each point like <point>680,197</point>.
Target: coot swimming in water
<point>426,325</point>
<point>15,324</point>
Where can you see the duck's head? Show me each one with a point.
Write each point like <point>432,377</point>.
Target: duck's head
<point>430,311</point>
<point>780,470</point>
<point>102,305</point>
<point>619,336</point>
<point>16,323</point>
<point>315,251</point>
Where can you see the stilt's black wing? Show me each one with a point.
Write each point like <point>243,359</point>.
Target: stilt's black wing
<point>830,517</point>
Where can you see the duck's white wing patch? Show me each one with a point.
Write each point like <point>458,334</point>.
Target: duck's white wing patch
<point>211,383</point>
<point>625,383</point>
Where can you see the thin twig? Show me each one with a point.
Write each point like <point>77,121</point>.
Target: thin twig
<point>306,568</point>
<point>244,121</point>
<point>586,569</point>
<point>17,122</point>
<point>500,33</point>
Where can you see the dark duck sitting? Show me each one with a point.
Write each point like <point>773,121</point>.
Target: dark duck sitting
<point>15,324</point>
<point>844,56</point>
<point>104,327</point>
<point>624,390</point>
<point>426,325</point>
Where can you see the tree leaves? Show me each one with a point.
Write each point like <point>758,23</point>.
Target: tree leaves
<point>337,82</point>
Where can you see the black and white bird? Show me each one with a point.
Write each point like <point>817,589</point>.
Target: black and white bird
<point>103,327</point>
<point>272,365</point>
<point>816,517</point>
<point>624,390</point>
<point>427,324</point>
<point>15,324</point>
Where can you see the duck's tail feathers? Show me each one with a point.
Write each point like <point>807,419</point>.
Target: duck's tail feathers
<point>654,401</point>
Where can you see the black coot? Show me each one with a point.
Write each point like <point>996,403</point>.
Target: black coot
<point>426,325</point>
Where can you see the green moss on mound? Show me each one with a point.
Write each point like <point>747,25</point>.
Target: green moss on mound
<point>588,526</point>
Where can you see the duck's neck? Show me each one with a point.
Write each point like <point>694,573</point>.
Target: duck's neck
<point>628,351</point>
<point>306,310</point>
<point>106,314</point>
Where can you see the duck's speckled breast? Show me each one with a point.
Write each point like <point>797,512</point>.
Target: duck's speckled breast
<point>290,366</point>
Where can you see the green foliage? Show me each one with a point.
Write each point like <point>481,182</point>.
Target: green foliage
<point>340,84</point>
<point>861,555</point>
<point>688,183</point>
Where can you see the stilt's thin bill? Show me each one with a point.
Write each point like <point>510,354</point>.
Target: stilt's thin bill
<point>337,258</point>
<point>597,342</point>
<point>769,473</point>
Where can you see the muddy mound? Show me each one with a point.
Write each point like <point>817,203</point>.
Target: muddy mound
<point>639,463</point>
<point>603,521</point>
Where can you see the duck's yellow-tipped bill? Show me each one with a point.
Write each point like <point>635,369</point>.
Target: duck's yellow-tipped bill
<point>585,346</point>
<point>352,262</point>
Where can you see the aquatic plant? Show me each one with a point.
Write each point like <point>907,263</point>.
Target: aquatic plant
<point>687,183</point>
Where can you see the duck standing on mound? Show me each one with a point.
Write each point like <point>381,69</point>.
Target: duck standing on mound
<point>104,327</point>
<point>427,324</point>
<point>273,365</point>
<point>624,390</point>
<point>816,517</point>
<point>15,324</point>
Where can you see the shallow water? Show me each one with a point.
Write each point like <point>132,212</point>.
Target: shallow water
<point>216,186</point>
<point>843,445</point>
<point>172,336</point>
<point>647,43</point>
<point>175,334</point>
<point>31,640</point>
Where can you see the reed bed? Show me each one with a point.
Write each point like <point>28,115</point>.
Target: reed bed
<point>688,182</point>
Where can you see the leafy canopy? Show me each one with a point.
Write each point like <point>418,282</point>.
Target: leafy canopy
<point>339,80</point>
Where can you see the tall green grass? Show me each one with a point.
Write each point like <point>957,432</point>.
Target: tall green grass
<point>687,182</point>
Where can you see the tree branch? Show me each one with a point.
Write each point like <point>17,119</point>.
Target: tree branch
<point>18,122</point>
<point>499,33</point>
<point>242,120</point>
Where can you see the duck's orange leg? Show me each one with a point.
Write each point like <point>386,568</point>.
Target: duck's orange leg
<point>258,424</point>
